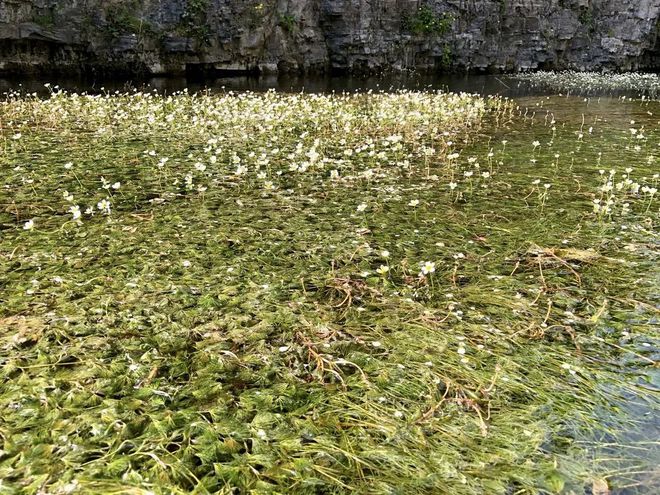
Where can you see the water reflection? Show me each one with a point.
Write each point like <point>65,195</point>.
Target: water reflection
<point>482,84</point>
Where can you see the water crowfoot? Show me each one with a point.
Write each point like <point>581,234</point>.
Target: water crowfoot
<point>236,324</point>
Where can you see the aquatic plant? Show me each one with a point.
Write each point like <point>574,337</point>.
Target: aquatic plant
<point>576,82</point>
<point>349,293</point>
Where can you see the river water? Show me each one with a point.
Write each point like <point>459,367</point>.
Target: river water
<point>630,451</point>
<point>502,85</point>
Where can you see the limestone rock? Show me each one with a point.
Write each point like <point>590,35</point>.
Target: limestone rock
<point>161,36</point>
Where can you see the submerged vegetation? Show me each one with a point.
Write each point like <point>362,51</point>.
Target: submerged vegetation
<point>367,293</point>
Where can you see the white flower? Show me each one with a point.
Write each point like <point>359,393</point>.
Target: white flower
<point>413,202</point>
<point>70,487</point>
<point>427,267</point>
<point>29,225</point>
<point>398,414</point>
<point>536,144</point>
<point>200,166</point>
<point>453,185</point>
<point>385,253</point>
<point>334,174</point>
<point>104,206</point>
<point>68,165</point>
<point>186,263</point>
<point>116,185</point>
<point>361,207</point>
<point>75,211</point>
<point>382,269</point>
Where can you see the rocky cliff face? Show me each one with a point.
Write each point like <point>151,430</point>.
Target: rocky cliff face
<point>176,36</point>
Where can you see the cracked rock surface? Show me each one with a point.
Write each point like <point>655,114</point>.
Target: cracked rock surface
<point>312,36</point>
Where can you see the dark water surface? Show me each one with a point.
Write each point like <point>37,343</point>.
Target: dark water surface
<point>483,84</point>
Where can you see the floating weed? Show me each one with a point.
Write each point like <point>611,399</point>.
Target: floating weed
<point>327,294</point>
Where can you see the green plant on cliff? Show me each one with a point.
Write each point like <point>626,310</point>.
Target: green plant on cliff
<point>288,22</point>
<point>193,21</point>
<point>121,19</point>
<point>502,7</point>
<point>426,21</point>
<point>446,58</point>
<point>587,18</point>
<point>257,13</point>
<point>45,19</point>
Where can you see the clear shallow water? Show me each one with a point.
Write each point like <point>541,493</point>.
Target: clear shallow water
<point>630,445</point>
<point>631,414</point>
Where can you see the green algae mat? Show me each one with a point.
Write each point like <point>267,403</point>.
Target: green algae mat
<point>375,293</point>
